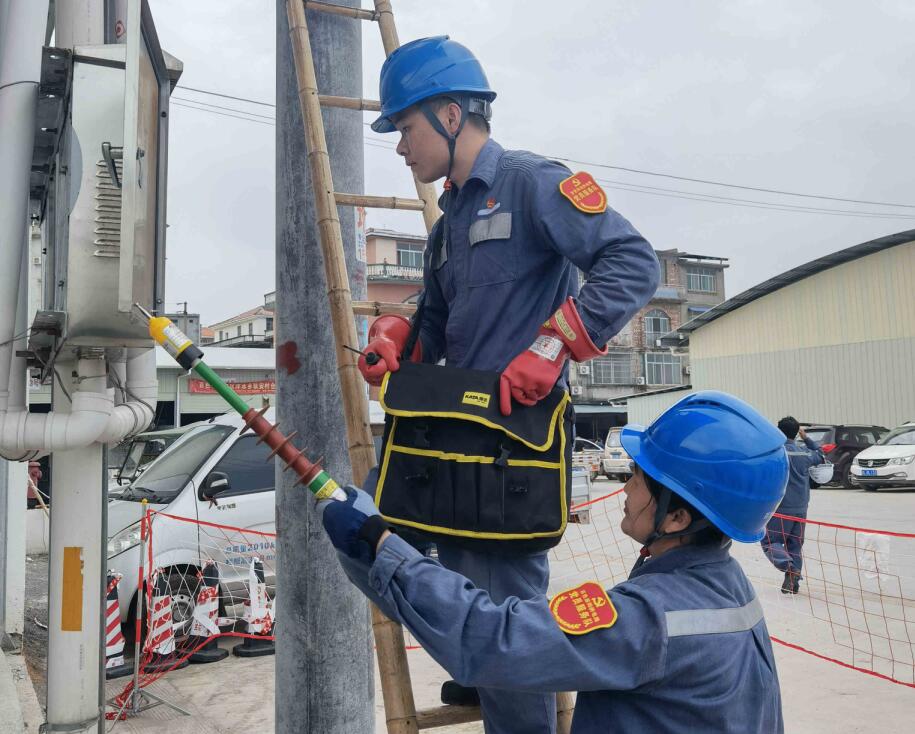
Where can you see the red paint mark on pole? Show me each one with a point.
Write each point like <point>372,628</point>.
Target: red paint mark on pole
<point>286,357</point>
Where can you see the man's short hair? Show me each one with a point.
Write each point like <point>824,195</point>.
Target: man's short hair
<point>443,100</point>
<point>789,426</point>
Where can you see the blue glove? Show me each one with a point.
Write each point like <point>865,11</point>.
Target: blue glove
<point>354,526</point>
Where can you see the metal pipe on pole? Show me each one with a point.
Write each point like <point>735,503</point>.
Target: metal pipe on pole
<point>324,668</point>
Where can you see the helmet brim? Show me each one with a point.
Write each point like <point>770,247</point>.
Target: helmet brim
<point>383,125</point>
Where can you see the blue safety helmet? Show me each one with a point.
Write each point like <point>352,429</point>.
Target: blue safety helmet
<point>429,67</point>
<point>720,455</point>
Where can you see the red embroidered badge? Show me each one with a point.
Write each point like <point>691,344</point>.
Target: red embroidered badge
<point>583,609</point>
<point>584,193</point>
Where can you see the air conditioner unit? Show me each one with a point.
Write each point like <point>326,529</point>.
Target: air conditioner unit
<point>584,369</point>
<point>575,389</point>
<point>639,380</point>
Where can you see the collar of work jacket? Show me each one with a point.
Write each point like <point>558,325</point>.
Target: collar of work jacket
<point>484,167</point>
<point>684,556</point>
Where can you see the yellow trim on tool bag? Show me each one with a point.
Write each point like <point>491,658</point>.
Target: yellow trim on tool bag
<point>471,417</point>
<point>564,513</point>
<point>467,459</point>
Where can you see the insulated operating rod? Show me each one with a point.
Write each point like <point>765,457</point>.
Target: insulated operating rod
<point>188,355</point>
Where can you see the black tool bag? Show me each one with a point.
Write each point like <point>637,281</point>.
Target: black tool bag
<point>453,467</point>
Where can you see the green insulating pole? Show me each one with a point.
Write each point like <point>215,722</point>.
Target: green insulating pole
<point>189,356</point>
<point>216,382</point>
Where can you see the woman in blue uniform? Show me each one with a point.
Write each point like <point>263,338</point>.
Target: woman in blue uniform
<point>681,646</point>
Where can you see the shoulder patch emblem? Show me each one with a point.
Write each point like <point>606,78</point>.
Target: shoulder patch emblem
<point>584,193</point>
<point>583,609</point>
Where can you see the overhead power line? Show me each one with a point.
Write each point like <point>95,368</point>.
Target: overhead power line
<point>227,96</point>
<point>631,187</point>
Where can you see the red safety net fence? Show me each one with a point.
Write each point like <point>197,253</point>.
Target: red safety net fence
<point>201,582</point>
<point>855,604</point>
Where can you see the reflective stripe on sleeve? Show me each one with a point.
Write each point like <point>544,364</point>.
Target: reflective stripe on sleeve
<point>714,621</point>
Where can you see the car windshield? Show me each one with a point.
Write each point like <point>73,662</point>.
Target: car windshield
<point>613,440</point>
<point>820,435</point>
<point>904,436</point>
<point>583,444</point>
<point>168,475</point>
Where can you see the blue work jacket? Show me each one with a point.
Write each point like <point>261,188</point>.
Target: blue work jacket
<point>800,459</point>
<point>689,650</point>
<point>510,259</point>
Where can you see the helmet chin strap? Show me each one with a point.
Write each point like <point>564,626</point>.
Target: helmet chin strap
<point>660,515</point>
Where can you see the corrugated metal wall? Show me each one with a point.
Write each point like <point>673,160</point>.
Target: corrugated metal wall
<point>837,347</point>
<point>645,408</point>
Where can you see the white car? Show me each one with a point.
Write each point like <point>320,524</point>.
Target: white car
<point>891,463</point>
<point>587,454</point>
<point>616,462</point>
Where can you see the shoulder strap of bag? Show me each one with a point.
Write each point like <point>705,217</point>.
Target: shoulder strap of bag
<point>417,321</point>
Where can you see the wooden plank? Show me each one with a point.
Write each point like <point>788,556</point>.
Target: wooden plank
<point>377,308</point>
<point>333,9</point>
<point>447,716</point>
<point>379,202</point>
<point>350,103</point>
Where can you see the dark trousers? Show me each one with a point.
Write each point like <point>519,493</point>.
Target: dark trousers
<point>783,543</point>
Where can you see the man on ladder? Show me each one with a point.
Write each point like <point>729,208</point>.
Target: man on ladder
<point>501,283</point>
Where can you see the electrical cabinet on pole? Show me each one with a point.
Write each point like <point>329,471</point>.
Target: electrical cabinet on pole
<point>86,148</point>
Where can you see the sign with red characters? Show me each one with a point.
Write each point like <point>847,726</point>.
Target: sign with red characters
<point>584,193</point>
<point>258,387</point>
<point>583,609</point>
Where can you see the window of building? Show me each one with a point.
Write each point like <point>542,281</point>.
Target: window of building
<point>250,328</point>
<point>662,368</point>
<point>700,280</point>
<point>614,369</point>
<point>269,323</point>
<point>238,330</point>
<point>409,254</point>
<point>657,324</point>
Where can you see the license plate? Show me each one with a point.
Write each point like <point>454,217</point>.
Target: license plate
<point>868,472</point>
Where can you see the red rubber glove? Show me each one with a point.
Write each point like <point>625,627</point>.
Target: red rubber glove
<point>387,338</point>
<point>531,375</point>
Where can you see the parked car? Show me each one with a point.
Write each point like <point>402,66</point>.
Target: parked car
<point>129,458</point>
<point>581,493</point>
<point>891,463</point>
<point>842,443</point>
<point>209,474</point>
<point>616,462</point>
<point>587,454</point>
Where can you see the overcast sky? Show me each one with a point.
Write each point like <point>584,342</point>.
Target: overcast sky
<point>810,97</point>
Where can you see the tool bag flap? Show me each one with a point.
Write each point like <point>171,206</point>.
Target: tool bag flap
<point>454,466</point>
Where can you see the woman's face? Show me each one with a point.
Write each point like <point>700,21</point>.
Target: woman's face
<point>638,509</point>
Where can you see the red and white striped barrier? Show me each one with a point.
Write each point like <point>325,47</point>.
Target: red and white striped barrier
<point>160,642</point>
<point>114,639</point>
<point>205,626</point>
<point>258,616</point>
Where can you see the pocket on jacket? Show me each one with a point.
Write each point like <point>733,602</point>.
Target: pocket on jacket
<point>493,253</point>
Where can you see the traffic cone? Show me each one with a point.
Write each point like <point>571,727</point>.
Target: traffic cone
<point>161,654</point>
<point>114,640</point>
<point>204,628</point>
<point>258,616</point>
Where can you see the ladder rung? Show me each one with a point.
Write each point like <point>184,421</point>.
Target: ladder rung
<point>340,10</point>
<point>376,308</point>
<point>446,715</point>
<point>350,103</point>
<point>379,202</point>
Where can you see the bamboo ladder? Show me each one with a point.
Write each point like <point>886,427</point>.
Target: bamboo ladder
<point>400,710</point>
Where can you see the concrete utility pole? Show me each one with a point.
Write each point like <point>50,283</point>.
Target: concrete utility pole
<point>324,670</point>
